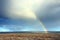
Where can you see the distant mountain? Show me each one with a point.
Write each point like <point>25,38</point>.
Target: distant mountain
<point>30,32</point>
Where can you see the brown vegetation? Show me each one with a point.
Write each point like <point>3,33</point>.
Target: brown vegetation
<point>30,36</point>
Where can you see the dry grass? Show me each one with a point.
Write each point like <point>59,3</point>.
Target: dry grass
<point>29,36</point>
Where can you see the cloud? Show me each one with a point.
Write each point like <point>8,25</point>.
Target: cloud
<point>20,9</point>
<point>4,29</point>
<point>27,13</point>
<point>18,12</point>
<point>49,14</point>
<point>34,27</point>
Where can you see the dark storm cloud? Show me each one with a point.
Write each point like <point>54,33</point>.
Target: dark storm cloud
<point>50,14</point>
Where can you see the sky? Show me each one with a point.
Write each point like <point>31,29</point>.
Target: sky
<point>29,15</point>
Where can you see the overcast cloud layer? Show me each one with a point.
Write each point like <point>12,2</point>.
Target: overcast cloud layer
<point>25,15</point>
